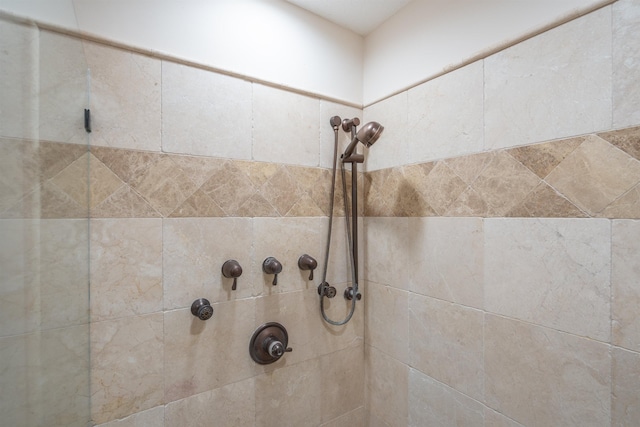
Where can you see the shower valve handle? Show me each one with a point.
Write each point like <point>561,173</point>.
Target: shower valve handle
<point>272,266</point>
<point>232,269</point>
<point>307,262</point>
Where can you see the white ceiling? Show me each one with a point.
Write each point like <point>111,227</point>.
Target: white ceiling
<point>359,16</point>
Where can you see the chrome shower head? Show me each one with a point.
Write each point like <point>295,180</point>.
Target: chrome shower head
<point>367,135</point>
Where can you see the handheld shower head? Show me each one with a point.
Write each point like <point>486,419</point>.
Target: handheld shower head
<point>367,135</point>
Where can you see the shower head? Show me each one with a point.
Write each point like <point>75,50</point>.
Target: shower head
<point>367,135</point>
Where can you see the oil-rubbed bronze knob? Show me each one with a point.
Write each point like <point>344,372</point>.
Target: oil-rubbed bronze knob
<point>268,343</point>
<point>307,262</point>
<point>348,294</point>
<point>272,266</point>
<point>201,308</point>
<point>231,269</point>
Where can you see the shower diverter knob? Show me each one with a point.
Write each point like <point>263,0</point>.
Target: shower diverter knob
<point>307,262</point>
<point>269,343</point>
<point>231,269</point>
<point>272,266</point>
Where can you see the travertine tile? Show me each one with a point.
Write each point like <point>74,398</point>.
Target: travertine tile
<point>205,113</point>
<point>446,258</point>
<point>204,355</point>
<point>296,402</point>
<point>285,127</point>
<point>126,366</point>
<point>495,419</point>
<point>198,205</point>
<point>383,246</point>
<point>605,174</point>
<point>194,250</point>
<point>470,203</point>
<point>386,389</point>
<point>551,272</point>
<point>442,187</point>
<point>198,168</point>
<point>568,68</point>
<point>53,157</point>
<point>256,206</point>
<point>504,183</point>
<point>153,417</point>
<point>230,187</point>
<point>470,167</point>
<point>625,287</point>
<point>281,191</point>
<point>541,159</point>
<point>432,403</point>
<point>543,201</point>
<point>47,201</point>
<point>125,90</point>
<point>232,405</point>
<point>387,320</point>
<point>538,376</point>
<point>392,148</point>
<point>433,132</point>
<point>124,203</point>
<point>19,171</point>
<point>625,390</point>
<point>628,140</point>
<point>14,370</point>
<point>626,70</point>
<point>342,381</point>
<point>627,206</point>
<point>128,165</point>
<point>353,418</point>
<point>126,267</point>
<point>440,332</point>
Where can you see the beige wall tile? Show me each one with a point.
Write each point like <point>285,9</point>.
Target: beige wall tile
<point>205,113</point>
<point>204,355</point>
<point>495,419</point>
<point>387,320</point>
<point>230,406</point>
<point>605,174</point>
<point>19,171</point>
<point>194,250</point>
<point>626,70</point>
<point>445,259</point>
<point>385,245</point>
<point>432,403</point>
<point>543,158</point>
<point>14,403</point>
<point>625,287</point>
<point>440,332</point>
<point>538,376</point>
<point>126,267</point>
<point>433,132</point>
<point>342,379</point>
<point>552,272</point>
<point>125,98</point>
<point>297,399</point>
<point>286,127</point>
<point>567,68</point>
<point>392,148</point>
<point>126,366</point>
<point>353,418</point>
<point>386,389</point>
<point>625,392</point>
<point>153,417</point>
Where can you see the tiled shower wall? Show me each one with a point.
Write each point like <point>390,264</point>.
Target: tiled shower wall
<point>502,233</point>
<point>187,168</point>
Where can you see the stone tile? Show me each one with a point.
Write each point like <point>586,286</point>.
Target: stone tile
<point>14,400</point>
<point>384,245</point>
<point>628,140</point>
<point>285,127</point>
<point>126,372</point>
<point>541,159</point>
<point>392,148</point>
<point>538,376</point>
<point>353,418</point>
<point>305,206</point>
<point>258,172</point>
<point>229,187</point>
<point>232,405</point>
<point>342,382</point>
<point>316,184</point>
<point>625,287</point>
<point>386,389</point>
<point>198,168</point>
<point>468,168</point>
<point>124,203</point>
<point>387,320</point>
<point>53,158</point>
<point>568,68</point>
<point>191,97</point>
<point>447,256</point>
<point>495,419</point>
<point>433,132</point>
<point>297,400</point>
<point>551,272</point>
<point>625,390</point>
<point>442,187</point>
<point>504,183</point>
<point>19,171</point>
<point>198,205</point>
<point>605,174</point>
<point>204,355</point>
<point>281,191</point>
<point>153,417</point>
<point>432,403</point>
<point>126,267</point>
<point>470,203</point>
<point>256,206</point>
<point>440,332</point>
<point>627,206</point>
<point>164,186</point>
<point>194,250</point>
<point>128,165</point>
<point>545,202</point>
<point>626,39</point>
<point>47,201</point>
<point>125,89</point>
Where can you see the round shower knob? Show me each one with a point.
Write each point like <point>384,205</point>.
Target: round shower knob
<point>269,343</point>
<point>326,290</point>
<point>201,308</point>
<point>348,294</point>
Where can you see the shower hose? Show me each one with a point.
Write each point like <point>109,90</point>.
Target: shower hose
<point>347,215</point>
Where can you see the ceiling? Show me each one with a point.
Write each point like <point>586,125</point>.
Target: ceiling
<point>359,16</point>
